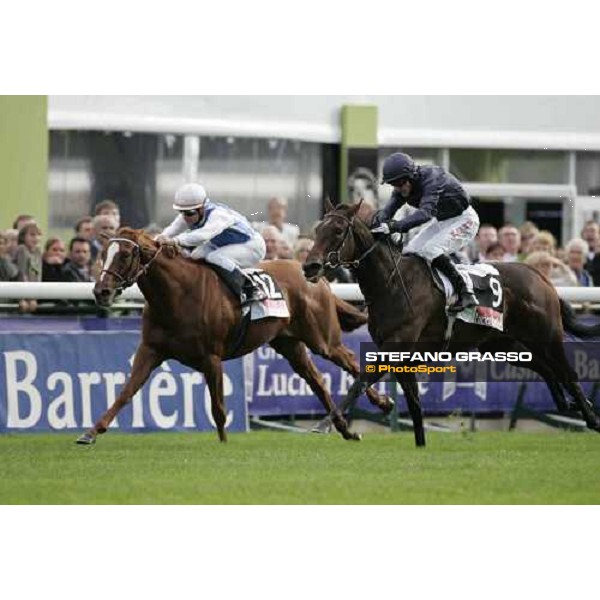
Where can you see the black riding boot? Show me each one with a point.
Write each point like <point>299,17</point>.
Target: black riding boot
<point>466,298</point>
<point>235,281</point>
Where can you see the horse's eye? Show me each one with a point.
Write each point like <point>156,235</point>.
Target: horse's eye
<point>339,231</point>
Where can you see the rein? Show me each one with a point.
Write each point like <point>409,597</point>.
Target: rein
<point>140,270</point>
<point>397,270</point>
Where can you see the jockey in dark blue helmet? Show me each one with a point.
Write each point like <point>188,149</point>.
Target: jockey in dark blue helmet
<point>443,204</point>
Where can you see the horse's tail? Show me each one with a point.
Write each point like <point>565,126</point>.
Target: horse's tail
<point>572,325</point>
<point>350,318</point>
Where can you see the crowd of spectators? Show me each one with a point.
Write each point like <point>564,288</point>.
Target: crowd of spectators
<point>577,263</point>
<point>23,257</point>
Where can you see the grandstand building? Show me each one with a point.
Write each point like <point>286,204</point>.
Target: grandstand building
<point>522,157</point>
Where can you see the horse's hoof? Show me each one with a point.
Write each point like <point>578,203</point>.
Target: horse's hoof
<point>594,426</point>
<point>323,427</point>
<point>87,439</point>
<point>354,437</point>
<point>389,406</point>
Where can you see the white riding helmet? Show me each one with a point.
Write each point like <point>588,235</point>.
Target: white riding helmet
<point>189,196</point>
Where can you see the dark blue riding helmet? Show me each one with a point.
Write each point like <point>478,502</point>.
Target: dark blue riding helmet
<point>398,166</point>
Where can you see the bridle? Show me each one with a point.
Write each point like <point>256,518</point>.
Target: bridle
<point>334,259</point>
<point>140,269</point>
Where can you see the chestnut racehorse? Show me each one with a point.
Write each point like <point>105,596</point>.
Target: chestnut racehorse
<point>192,316</point>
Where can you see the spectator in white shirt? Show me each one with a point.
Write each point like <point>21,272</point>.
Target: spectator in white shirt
<point>277,212</point>
<point>510,238</point>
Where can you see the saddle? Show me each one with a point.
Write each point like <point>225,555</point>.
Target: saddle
<point>486,282</point>
<point>261,295</point>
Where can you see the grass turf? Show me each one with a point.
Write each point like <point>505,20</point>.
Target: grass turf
<point>285,468</point>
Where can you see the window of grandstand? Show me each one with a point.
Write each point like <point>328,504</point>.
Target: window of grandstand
<point>141,171</point>
<point>588,173</point>
<point>245,173</point>
<point>510,166</point>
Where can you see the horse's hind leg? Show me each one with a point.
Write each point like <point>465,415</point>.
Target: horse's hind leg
<point>538,364</point>
<point>213,373</point>
<point>563,374</point>
<point>145,361</point>
<point>583,404</point>
<point>295,353</point>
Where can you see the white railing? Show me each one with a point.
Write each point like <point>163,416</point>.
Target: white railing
<point>83,291</point>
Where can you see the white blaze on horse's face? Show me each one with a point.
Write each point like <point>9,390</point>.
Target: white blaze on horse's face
<point>111,252</point>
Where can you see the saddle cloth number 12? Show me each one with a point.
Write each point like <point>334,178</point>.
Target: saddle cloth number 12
<point>265,282</point>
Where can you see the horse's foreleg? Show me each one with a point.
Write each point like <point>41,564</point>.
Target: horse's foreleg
<point>213,372</point>
<point>295,353</point>
<point>145,361</point>
<point>356,389</point>
<point>344,358</point>
<point>409,384</point>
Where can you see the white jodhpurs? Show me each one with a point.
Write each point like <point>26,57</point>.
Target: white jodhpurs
<point>231,256</point>
<point>444,237</point>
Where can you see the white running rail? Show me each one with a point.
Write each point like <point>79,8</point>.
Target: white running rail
<point>83,291</point>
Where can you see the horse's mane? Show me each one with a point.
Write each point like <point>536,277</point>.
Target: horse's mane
<point>363,230</point>
<point>147,244</point>
<point>137,235</point>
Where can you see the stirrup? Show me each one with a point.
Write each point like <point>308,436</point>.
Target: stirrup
<point>256,295</point>
<point>467,300</point>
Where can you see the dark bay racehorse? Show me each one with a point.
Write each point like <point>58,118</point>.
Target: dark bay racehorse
<point>406,306</point>
<point>190,315</point>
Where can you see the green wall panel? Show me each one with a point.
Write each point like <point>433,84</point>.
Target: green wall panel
<point>359,142</point>
<point>23,159</point>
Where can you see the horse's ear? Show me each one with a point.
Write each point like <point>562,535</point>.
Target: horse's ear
<point>356,207</point>
<point>328,206</point>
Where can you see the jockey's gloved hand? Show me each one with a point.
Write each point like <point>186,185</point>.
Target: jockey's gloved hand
<point>397,239</point>
<point>381,230</point>
<point>162,239</point>
<point>396,227</point>
<point>378,218</point>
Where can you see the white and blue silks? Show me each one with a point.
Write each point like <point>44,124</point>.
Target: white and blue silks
<point>224,238</point>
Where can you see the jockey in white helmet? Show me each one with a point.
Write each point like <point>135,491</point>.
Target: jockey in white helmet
<point>216,233</point>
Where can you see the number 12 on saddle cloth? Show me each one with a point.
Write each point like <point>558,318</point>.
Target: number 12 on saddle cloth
<point>273,304</point>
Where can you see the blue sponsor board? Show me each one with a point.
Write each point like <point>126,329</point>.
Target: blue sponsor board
<point>277,390</point>
<point>66,378</point>
<point>66,381</point>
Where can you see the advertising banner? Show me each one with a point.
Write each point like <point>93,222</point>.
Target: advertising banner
<point>277,390</point>
<point>67,381</point>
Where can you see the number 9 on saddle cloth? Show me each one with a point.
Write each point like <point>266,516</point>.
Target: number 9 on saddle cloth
<point>484,280</point>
